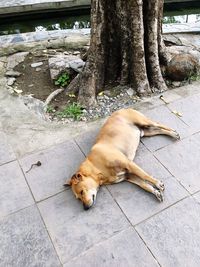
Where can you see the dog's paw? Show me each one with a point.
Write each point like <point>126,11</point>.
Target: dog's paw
<point>159,195</point>
<point>176,135</point>
<point>160,186</point>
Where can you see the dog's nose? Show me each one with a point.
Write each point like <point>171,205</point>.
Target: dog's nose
<point>86,207</point>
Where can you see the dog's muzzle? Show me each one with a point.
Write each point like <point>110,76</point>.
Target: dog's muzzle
<point>86,206</point>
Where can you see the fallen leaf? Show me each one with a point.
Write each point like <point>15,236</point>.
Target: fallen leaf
<point>18,91</point>
<point>162,98</point>
<point>177,113</point>
<point>71,95</point>
<point>101,93</point>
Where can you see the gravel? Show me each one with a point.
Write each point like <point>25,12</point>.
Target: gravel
<point>105,106</point>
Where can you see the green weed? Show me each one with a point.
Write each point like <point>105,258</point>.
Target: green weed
<point>73,111</point>
<point>50,109</point>
<point>63,80</point>
<point>194,77</point>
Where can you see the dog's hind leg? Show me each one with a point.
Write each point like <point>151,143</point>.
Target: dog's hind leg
<point>146,186</point>
<point>148,126</point>
<point>156,130</point>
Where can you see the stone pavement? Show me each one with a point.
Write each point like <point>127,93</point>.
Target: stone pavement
<point>42,224</point>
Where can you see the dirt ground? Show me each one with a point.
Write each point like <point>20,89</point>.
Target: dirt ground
<point>37,81</point>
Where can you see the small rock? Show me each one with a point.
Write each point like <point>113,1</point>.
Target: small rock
<point>66,53</point>
<point>77,65</point>
<point>38,69</point>
<point>30,85</point>
<point>10,90</point>
<point>12,73</point>
<point>181,67</point>
<point>36,64</point>
<point>176,84</point>
<point>130,92</point>
<point>15,59</point>
<point>11,81</point>
<point>76,52</point>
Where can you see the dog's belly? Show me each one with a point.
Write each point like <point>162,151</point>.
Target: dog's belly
<point>130,144</point>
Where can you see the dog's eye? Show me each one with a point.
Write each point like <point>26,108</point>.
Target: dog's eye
<point>81,192</point>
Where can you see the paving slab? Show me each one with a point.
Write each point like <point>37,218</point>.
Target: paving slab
<point>86,141</point>
<point>123,249</point>
<point>189,108</point>
<point>25,242</point>
<point>173,235</point>
<point>197,197</point>
<point>182,161</point>
<point>58,163</point>
<point>74,230</point>
<point>163,115</point>
<point>14,192</point>
<point>151,165</point>
<point>6,152</point>
<point>138,205</point>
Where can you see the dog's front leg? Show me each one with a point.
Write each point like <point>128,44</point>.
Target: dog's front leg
<point>133,168</point>
<point>146,186</point>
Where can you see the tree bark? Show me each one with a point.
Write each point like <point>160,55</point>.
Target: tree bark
<point>126,46</point>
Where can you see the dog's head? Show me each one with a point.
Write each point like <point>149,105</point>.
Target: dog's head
<point>84,188</point>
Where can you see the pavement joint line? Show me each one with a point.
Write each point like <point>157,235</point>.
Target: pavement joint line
<point>171,111</point>
<point>133,226</point>
<point>80,147</point>
<point>97,244</point>
<point>183,138</point>
<point>45,226</point>
<point>179,182</point>
<point>14,212</point>
<point>143,221</point>
<point>169,170</point>
<point>47,148</point>
<point>156,260</point>
<point>193,197</point>
<point>26,181</point>
<point>46,198</point>
<point>8,162</point>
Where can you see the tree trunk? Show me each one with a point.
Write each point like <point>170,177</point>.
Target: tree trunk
<point>126,46</point>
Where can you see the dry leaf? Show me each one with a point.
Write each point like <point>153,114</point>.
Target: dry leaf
<point>177,113</point>
<point>18,91</point>
<point>101,93</point>
<point>162,98</point>
<point>71,95</point>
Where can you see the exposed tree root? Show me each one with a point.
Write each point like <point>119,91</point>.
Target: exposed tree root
<point>51,97</point>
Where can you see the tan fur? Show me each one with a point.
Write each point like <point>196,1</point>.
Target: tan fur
<point>111,158</point>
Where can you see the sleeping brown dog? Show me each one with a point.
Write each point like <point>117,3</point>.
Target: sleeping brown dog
<point>111,157</point>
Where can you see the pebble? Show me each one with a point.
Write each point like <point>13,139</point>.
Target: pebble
<point>76,53</point>
<point>130,92</point>
<point>176,84</point>
<point>12,73</point>
<point>105,106</point>
<point>36,64</point>
<point>11,81</point>
<point>38,69</point>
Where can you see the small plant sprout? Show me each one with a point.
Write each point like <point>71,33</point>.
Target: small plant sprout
<point>73,111</point>
<point>63,80</point>
<point>50,109</point>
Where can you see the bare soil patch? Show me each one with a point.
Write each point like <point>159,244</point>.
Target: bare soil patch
<point>37,81</point>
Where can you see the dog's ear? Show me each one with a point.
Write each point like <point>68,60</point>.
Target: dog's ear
<point>75,179</point>
<point>68,182</point>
